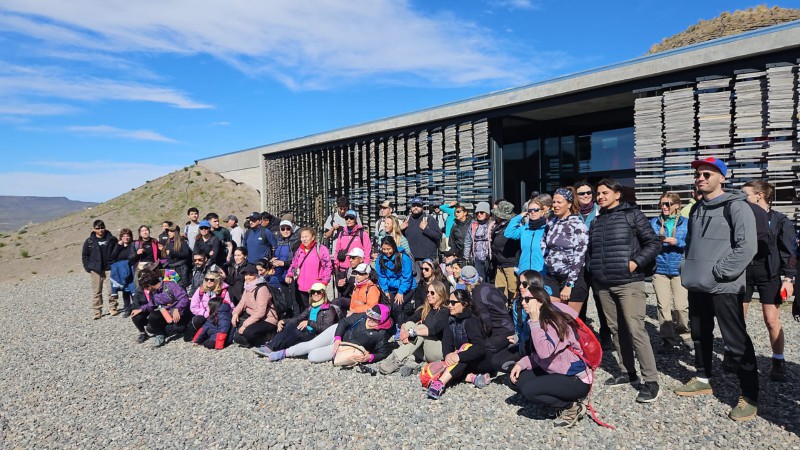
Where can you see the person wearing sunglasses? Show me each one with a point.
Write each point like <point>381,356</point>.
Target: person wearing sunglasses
<point>96,258</point>
<point>286,244</point>
<point>721,243</point>
<point>528,228</point>
<point>565,245</point>
<point>459,239</point>
<point>207,242</point>
<point>361,338</point>
<point>671,297</point>
<point>214,285</point>
<point>351,236</point>
<point>621,245</point>
<point>505,251</point>
<point>554,373</point>
<point>421,335</point>
<point>463,346</point>
<point>365,293</point>
<point>430,272</point>
<point>478,247</point>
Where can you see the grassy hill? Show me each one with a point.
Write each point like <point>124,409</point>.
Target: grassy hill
<point>54,247</point>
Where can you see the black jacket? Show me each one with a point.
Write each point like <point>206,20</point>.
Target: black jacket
<point>423,243</point>
<point>327,316</point>
<point>235,280</point>
<point>490,304</point>
<point>353,329</point>
<point>505,252</point>
<point>459,234</point>
<point>618,236</point>
<point>97,252</point>
<point>436,321</point>
<point>121,253</point>
<point>781,260</point>
<point>212,245</point>
<point>464,329</point>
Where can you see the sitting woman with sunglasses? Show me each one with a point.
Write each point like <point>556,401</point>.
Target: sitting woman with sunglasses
<point>423,331</point>
<point>359,339</point>
<point>255,316</point>
<point>365,293</point>
<point>213,286</point>
<point>528,228</point>
<point>463,345</point>
<point>160,308</point>
<point>554,374</point>
<point>430,272</point>
<point>316,319</point>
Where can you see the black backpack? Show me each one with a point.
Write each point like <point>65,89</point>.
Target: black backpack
<point>282,301</point>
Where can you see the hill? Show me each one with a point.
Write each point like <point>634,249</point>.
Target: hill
<point>728,24</point>
<point>15,211</point>
<point>54,247</point>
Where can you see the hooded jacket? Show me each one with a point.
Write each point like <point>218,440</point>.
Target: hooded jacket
<point>530,242</point>
<point>718,252</point>
<point>615,240</point>
<point>169,296</point>
<point>348,240</point>
<point>316,270</point>
<point>96,252</point>
<point>354,329</point>
<point>490,304</point>
<point>668,262</point>
<point>199,303</point>
<point>390,281</point>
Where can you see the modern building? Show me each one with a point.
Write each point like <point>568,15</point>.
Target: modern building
<point>641,121</point>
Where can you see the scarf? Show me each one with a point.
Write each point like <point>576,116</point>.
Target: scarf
<point>362,282</point>
<point>536,224</point>
<point>586,209</point>
<point>250,286</point>
<point>317,304</point>
<point>310,245</point>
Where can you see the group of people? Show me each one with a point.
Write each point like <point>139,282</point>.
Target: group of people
<point>465,298</point>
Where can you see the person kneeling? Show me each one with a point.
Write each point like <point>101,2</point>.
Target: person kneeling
<point>160,308</point>
<point>553,375</point>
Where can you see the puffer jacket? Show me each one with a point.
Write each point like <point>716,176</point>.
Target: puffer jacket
<point>353,329</point>
<point>668,262</point>
<point>219,331</point>
<point>460,241</point>
<point>327,316</point>
<point>169,296</point>
<point>199,303</point>
<point>613,243</point>
<point>718,252</point>
<point>96,253</point>
<point>390,281</point>
<point>530,241</point>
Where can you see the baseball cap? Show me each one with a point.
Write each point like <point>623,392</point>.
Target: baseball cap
<point>255,215</point>
<point>711,161</point>
<point>317,287</point>
<point>204,223</point>
<point>417,201</point>
<point>362,269</point>
<point>356,252</point>
<point>387,204</point>
<point>285,223</point>
<point>351,213</point>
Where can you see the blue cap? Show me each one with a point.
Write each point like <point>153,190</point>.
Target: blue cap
<point>204,223</point>
<point>417,201</point>
<point>350,212</point>
<point>711,161</point>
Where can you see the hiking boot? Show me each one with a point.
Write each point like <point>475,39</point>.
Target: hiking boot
<point>622,380</point>
<point>159,340</point>
<point>390,365</point>
<point>98,315</point>
<point>606,342</point>
<point>744,410</point>
<point>264,350</point>
<point>482,380</point>
<point>409,369</point>
<point>666,348</point>
<point>126,314</point>
<point>142,337</point>
<point>568,417</point>
<point>778,371</point>
<point>113,311</point>
<point>649,391</point>
<point>277,356</point>
<point>728,364</point>
<point>693,387</point>
<point>435,390</point>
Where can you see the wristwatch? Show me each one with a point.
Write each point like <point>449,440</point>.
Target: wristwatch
<point>571,284</point>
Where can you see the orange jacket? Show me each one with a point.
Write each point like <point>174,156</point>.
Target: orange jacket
<point>364,297</point>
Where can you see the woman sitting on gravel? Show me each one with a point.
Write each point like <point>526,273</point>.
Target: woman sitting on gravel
<point>424,330</point>
<point>317,318</point>
<point>214,332</point>
<point>365,294</point>
<point>160,307</point>
<point>255,316</point>
<point>554,374</point>
<point>213,286</point>
<point>359,339</point>
<point>463,343</point>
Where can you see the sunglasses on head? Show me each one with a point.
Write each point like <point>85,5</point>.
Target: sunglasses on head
<point>582,193</point>
<point>667,204</point>
<point>210,279</point>
<point>705,175</point>
<point>534,210</point>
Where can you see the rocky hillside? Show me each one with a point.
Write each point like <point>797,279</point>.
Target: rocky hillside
<point>728,24</point>
<point>16,212</point>
<point>54,247</point>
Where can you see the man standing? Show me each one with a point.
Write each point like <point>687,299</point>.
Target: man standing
<point>423,234</point>
<point>258,240</point>
<point>719,246</point>
<point>223,235</point>
<point>387,209</point>
<point>96,258</point>
<point>236,231</point>
<point>192,228</point>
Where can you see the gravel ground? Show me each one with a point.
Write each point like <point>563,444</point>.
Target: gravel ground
<point>69,381</point>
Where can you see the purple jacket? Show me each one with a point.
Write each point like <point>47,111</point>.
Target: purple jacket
<point>552,354</point>
<point>177,300</point>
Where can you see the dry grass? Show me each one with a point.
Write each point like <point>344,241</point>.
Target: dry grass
<point>54,248</point>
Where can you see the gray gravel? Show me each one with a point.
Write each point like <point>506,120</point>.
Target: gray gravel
<point>69,381</point>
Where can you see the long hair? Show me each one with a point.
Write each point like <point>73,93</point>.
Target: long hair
<point>396,255</point>
<point>213,308</point>
<point>675,199</point>
<point>441,292</point>
<point>396,233</point>
<point>535,280</point>
<point>550,316</point>
<point>217,285</point>
<point>436,270</point>
<point>465,298</point>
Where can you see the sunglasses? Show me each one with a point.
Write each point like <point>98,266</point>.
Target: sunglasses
<point>453,302</point>
<point>583,193</point>
<point>373,315</point>
<point>286,228</point>
<point>205,228</point>
<point>199,260</point>
<point>349,217</point>
<point>524,284</point>
<point>431,292</point>
<point>316,292</point>
<point>705,175</point>
<point>460,211</point>
<point>359,273</point>
<point>667,204</point>
<point>426,269</point>
<point>210,279</point>
<point>534,210</point>
<point>99,228</point>
<point>417,205</point>
<point>526,299</point>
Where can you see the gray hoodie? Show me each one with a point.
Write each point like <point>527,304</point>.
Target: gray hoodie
<point>716,256</point>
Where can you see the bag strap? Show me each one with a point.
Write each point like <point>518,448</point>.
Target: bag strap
<point>353,238</point>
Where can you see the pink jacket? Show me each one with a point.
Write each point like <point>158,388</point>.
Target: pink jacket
<point>316,270</point>
<point>360,239</point>
<point>260,308</point>
<point>552,354</point>
<point>199,304</point>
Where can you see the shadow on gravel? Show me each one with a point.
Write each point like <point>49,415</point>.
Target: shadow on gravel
<point>527,410</point>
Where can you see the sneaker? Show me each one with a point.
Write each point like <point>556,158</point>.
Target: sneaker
<point>396,337</point>
<point>277,356</point>
<point>622,380</point>
<point>262,351</point>
<point>142,337</point>
<point>693,387</point>
<point>481,381</point>
<point>778,371</point>
<point>390,365</point>
<point>568,417</point>
<point>126,314</point>
<point>606,342</point>
<point>409,369</point>
<point>728,364</point>
<point>649,391</point>
<point>744,410</point>
<point>435,390</point>
<point>159,340</point>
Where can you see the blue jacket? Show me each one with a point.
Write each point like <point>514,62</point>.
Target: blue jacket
<point>260,243</point>
<point>122,277</point>
<point>530,244</point>
<point>451,218</point>
<point>209,330</point>
<point>391,281</point>
<point>669,260</point>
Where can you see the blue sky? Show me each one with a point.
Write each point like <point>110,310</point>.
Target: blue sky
<point>99,96</point>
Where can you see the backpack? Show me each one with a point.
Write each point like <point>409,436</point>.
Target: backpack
<point>433,370</point>
<point>650,269</point>
<point>281,301</point>
<point>592,355</point>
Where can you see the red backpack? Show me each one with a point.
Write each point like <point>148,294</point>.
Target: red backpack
<point>592,355</point>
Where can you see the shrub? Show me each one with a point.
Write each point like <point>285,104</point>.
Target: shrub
<point>24,254</point>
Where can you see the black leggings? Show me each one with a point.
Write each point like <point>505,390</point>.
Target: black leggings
<point>290,336</point>
<point>193,326</point>
<point>156,323</point>
<point>255,335</point>
<point>503,357</point>
<point>401,311</point>
<point>460,370</point>
<point>553,389</point>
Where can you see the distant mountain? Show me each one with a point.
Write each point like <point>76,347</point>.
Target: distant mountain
<point>15,212</point>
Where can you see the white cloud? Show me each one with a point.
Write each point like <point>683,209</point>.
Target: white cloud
<point>220,124</point>
<point>114,132</point>
<point>515,4</point>
<point>94,184</point>
<point>34,109</point>
<point>305,45</point>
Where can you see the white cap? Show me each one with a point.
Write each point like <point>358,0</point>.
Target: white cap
<point>363,268</point>
<point>286,223</point>
<point>356,252</point>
